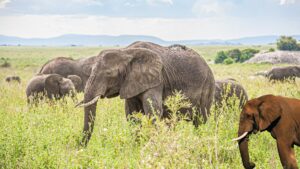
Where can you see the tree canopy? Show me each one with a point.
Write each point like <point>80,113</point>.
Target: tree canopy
<point>287,43</point>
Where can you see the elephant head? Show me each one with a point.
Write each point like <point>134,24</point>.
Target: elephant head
<point>77,82</point>
<point>257,115</point>
<point>56,86</point>
<point>124,72</point>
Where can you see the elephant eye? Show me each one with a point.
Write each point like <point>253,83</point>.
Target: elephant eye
<point>110,73</point>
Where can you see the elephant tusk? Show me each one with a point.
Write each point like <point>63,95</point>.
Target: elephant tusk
<point>79,104</point>
<point>241,137</point>
<point>88,103</point>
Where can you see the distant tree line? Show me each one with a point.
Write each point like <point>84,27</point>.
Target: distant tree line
<point>288,43</point>
<point>235,56</point>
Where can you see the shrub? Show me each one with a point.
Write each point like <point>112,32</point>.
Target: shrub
<point>5,62</point>
<point>271,50</point>
<point>228,61</point>
<point>247,54</point>
<point>235,54</point>
<point>221,56</point>
<point>287,43</point>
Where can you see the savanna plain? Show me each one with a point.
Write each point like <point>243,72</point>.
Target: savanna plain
<point>47,135</point>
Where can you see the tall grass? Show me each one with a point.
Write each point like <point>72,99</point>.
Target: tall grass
<point>47,136</point>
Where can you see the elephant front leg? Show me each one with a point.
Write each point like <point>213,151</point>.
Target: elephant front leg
<point>133,105</point>
<point>152,102</point>
<point>286,154</point>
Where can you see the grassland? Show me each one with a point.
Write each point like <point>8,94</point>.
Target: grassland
<point>47,136</point>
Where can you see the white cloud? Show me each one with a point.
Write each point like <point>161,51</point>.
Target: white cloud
<point>154,2</point>
<point>169,29</point>
<point>286,2</point>
<point>211,7</point>
<point>90,2</point>
<point>3,3</point>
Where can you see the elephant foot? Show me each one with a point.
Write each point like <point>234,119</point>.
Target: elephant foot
<point>251,165</point>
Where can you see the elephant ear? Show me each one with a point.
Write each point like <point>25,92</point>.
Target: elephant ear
<point>143,72</point>
<point>268,113</point>
<point>52,85</point>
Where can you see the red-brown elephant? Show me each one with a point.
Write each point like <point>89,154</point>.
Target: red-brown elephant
<point>278,115</point>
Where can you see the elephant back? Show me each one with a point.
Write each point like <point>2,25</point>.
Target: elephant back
<point>228,88</point>
<point>62,65</point>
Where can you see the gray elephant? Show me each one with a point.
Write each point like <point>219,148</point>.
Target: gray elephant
<point>13,78</point>
<point>53,86</point>
<point>68,66</point>
<point>281,73</point>
<point>228,88</point>
<point>77,82</point>
<point>145,71</point>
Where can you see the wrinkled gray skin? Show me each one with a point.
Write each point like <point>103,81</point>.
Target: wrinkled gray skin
<point>282,73</point>
<point>68,66</point>
<point>53,86</point>
<point>13,78</point>
<point>225,89</point>
<point>145,71</point>
<point>77,82</point>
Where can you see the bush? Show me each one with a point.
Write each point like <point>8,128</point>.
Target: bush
<point>221,56</point>
<point>228,61</point>
<point>271,50</point>
<point>5,63</point>
<point>247,54</point>
<point>287,43</point>
<point>235,55</point>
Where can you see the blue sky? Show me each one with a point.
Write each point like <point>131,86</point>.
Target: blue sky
<point>167,19</point>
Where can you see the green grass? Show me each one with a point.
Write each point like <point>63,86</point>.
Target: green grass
<point>47,136</point>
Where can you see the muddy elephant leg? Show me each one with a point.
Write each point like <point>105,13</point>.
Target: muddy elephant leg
<point>133,105</point>
<point>152,102</point>
<point>286,154</point>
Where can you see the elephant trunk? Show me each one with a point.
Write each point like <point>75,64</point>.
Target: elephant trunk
<point>243,146</point>
<point>89,119</point>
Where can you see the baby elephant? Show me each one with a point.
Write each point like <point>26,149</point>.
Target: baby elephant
<point>278,115</point>
<point>13,78</point>
<point>226,89</point>
<point>53,86</point>
<point>79,87</point>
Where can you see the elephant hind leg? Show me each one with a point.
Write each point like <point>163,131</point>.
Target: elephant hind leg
<point>287,154</point>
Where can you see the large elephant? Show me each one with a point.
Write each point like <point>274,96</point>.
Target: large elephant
<point>228,88</point>
<point>281,73</point>
<point>54,86</point>
<point>144,71</point>
<point>68,66</point>
<point>278,115</point>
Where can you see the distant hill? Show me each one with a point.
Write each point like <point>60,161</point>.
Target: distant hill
<point>123,40</point>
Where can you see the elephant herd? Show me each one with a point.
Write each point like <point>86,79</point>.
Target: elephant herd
<point>146,71</point>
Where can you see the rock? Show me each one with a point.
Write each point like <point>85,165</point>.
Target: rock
<point>277,57</point>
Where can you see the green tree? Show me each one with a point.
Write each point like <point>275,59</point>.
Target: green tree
<point>235,54</point>
<point>221,56</point>
<point>287,43</point>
